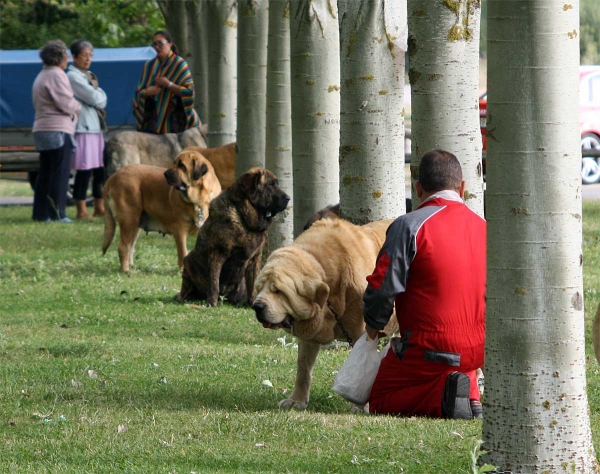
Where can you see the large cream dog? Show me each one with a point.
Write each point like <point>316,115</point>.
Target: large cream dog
<point>304,286</point>
<point>129,148</point>
<point>158,199</point>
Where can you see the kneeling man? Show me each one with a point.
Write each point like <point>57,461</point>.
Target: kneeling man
<point>432,266</point>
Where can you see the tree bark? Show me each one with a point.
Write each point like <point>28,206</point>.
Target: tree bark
<point>536,414</point>
<point>176,21</point>
<point>373,42</point>
<point>443,49</point>
<point>221,26</point>
<point>198,61</point>
<point>252,84</point>
<point>315,92</point>
<point>278,146</point>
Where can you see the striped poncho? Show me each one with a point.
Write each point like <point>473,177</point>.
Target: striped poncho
<point>176,70</point>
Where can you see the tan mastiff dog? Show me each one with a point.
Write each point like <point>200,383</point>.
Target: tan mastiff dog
<point>304,287</point>
<point>143,197</point>
<point>223,160</point>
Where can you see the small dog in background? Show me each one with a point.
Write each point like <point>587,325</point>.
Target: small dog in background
<point>333,212</point>
<point>143,197</point>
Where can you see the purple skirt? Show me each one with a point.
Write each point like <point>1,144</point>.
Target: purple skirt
<point>89,152</point>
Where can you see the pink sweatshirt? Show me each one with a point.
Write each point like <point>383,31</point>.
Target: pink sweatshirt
<point>55,106</point>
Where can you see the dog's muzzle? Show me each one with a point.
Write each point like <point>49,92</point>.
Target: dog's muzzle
<point>259,309</point>
<point>173,180</point>
<point>280,204</point>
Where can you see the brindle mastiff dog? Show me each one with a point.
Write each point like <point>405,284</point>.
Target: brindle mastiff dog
<point>304,287</point>
<point>227,255</point>
<point>154,199</point>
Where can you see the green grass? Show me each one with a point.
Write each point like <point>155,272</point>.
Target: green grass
<point>15,184</point>
<point>85,349</point>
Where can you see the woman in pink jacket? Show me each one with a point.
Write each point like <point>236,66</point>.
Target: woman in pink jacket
<point>56,112</point>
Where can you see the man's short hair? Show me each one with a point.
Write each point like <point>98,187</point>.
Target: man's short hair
<point>439,170</point>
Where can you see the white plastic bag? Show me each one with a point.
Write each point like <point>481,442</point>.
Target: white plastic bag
<point>356,376</point>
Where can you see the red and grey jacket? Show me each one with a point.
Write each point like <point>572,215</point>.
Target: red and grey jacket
<point>433,267</point>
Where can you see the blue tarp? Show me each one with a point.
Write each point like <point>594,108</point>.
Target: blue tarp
<point>118,71</point>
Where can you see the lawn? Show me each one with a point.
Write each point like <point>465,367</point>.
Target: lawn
<point>14,185</point>
<point>105,373</point>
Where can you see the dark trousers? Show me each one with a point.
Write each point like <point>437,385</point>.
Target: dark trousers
<point>82,179</point>
<point>50,196</point>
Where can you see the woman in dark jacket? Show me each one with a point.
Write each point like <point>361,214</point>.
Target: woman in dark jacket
<point>56,112</point>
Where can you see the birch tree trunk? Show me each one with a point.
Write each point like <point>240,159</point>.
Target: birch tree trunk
<point>536,414</point>
<point>196,12</point>
<point>252,84</point>
<point>176,22</point>
<point>278,146</point>
<point>373,42</point>
<point>315,92</point>
<point>443,50</point>
<point>221,26</point>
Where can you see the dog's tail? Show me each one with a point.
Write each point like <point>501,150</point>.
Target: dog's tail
<point>109,223</point>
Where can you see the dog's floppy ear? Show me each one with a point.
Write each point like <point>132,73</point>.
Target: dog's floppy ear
<point>315,290</point>
<point>321,294</point>
<point>200,169</point>
<point>311,291</point>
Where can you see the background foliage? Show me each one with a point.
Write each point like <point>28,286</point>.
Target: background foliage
<point>27,24</point>
<point>590,32</point>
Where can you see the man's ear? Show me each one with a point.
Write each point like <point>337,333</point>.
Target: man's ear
<point>419,189</point>
<point>461,190</point>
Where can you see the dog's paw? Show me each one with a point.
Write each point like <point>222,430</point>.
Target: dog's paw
<point>288,404</point>
<point>179,298</point>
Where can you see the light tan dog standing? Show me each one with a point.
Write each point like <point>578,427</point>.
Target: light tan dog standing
<point>304,286</point>
<point>143,197</point>
<point>223,160</point>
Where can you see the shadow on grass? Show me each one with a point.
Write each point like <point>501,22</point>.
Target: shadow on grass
<point>70,350</point>
<point>197,396</point>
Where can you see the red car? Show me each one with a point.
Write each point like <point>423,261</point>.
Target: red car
<point>589,121</point>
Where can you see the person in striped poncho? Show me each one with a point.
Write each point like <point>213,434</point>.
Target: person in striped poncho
<point>164,98</point>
